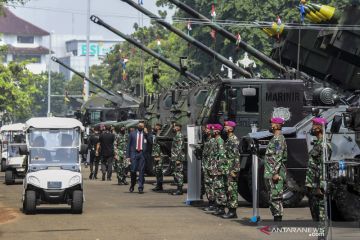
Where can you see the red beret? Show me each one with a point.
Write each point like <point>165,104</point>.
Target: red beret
<point>277,120</point>
<point>217,127</point>
<point>319,121</point>
<point>209,126</point>
<point>230,123</point>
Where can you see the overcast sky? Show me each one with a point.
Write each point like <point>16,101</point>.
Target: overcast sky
<point>69,16</point>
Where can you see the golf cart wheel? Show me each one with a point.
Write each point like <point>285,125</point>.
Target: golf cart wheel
<point>9,177</point>
<point>3,165</point>
<point>29,206</point>
<point>77,202</point>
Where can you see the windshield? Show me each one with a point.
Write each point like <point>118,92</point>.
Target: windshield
<point>13,151</point>
<point>54,147</point>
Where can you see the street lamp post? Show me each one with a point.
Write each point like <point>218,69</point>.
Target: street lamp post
<point>49,75</point>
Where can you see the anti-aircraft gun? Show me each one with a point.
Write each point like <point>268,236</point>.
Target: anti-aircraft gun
<point>106,106</point>
<point>162,107</point>
<point>249,101</point>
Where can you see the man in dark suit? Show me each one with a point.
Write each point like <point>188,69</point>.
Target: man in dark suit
<point>138,145</point>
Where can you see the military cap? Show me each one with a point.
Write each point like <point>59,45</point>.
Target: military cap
<point>277,120</point>
<point>217,127</point>
<point>177,124</point>
<point>230,123</point>
<point>319,121</point>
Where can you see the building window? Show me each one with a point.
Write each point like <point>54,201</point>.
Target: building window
<point>25,39</point>
<point>34,58</point>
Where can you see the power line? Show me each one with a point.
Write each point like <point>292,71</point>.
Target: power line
<point>223,23</point>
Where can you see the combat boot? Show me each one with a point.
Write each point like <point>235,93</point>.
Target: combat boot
<point>211,207</point>
<point>124,181</point>
<point>179,191</point>
<point>277,218</point>
<point>91,176</point>
<point>230,214</point>
<point>158,188</point>
<point>220,211</point>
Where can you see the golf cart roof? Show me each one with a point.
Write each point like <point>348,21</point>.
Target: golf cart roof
<point>53,123</point>
<point>16,127</point>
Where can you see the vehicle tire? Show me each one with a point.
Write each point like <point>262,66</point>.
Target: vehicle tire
<point>347,203</point>
<point>77,202</point>
<point>292,198</point>
<point>29,206</point>
<point>3,165</point>
<point>9,177</point>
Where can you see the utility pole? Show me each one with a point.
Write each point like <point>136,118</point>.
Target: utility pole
<point>49,76</point>
<point>87,65</point>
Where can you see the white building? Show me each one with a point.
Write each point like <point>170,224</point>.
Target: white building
<point>75,55</point>
<point>24,41</point>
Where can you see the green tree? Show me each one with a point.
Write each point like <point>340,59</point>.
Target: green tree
<point>21,94</point>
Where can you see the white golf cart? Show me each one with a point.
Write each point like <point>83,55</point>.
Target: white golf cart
<point>54,170</point>
<point>12,163</point>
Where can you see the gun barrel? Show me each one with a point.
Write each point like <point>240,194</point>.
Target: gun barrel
<point>192,77</point>
<point>82,76</point>
<point>191,40</point>
<point>256,53</point>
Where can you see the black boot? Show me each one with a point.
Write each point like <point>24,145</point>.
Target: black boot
<point>158,188</point>
<point>91,176</point>
<point>220,211</point>
<point>230,214</point>
<point>120,182</point>
<point>179,191</point>
<point>211,207</point>
<point>103,177</point>
<point>124,181</point>
<point>277,218</point>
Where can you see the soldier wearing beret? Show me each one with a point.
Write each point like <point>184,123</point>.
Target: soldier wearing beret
<point>208,150</point>
<point>231,169</point>
<point>178,157</point>
<point>217,170</point>
<point>158,159</point>
<point>315,175</point>
<point>275,171</point>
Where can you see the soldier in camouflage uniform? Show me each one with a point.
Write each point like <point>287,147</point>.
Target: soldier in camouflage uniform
<point>217,162</point>
<point>275,171</point>
<point>178,157</point>
<point>315,175</point>
<point>120,164</point>
<point>158,159</point>
<point>206,163</point>
<point>232,169</point>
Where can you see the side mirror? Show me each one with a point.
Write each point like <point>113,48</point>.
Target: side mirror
<point>174,99</point>
<point>83,148</point>
<point>249,92</point>
<point>23,150</point>
<point>232,103</point>
<point>336,124</point>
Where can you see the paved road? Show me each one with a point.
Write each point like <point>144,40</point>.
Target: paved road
<point>111,212</point>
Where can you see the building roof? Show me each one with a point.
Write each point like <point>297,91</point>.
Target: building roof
<point>12,24</point>
<point>22,50</point>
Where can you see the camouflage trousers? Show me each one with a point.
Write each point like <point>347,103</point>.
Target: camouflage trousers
<point>317,209</point>
<point>220,189</point>
<point>209,185</point>
<point>158,170</point>
<point>317,206</point>
<point>232,193</point>
<point>276,196</point>
<point>120,167</point>
<point>179,174</point>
